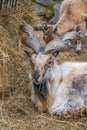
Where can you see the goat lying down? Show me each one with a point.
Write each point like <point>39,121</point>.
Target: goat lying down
<point>57,88</point>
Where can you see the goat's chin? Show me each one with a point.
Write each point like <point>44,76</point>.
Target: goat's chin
<point>40,87</point>
<point>37,82</point>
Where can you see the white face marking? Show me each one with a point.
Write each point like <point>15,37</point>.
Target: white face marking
<point>41,66</point>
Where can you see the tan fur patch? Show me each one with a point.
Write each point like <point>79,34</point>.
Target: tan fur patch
<point>71,16</point>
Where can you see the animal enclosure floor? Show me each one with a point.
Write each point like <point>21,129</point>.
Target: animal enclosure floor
<point>82,57</point>
<point>16,110</point>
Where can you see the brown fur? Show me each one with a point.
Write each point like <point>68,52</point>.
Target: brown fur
<point>71,16</point>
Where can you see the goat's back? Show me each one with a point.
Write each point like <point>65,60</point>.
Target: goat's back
<point>71,15</point>
<point>73,6</point>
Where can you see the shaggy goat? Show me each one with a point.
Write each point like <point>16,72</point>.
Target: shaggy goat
<point>56,88</point>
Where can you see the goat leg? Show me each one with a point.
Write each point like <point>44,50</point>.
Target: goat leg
<point>86,29</point>
<point>85,25</point>
<point>78,48</point>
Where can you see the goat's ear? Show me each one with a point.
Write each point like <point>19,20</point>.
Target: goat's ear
<point>55,54</point>
<point>27,53</point>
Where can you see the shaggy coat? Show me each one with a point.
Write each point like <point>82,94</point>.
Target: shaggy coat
<point>58,88</point>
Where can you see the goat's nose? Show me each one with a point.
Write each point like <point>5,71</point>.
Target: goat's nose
<point>36,77</point>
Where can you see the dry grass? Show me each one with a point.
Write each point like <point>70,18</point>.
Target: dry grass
<point>16,110</point>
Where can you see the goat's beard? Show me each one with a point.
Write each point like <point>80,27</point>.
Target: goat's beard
<point>41,89</point>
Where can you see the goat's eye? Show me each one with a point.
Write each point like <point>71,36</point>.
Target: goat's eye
<point>47,65</point>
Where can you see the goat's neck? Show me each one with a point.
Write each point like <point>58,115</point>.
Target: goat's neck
<point>55,79</point>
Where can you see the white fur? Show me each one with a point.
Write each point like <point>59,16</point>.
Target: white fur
<point>59,90</point>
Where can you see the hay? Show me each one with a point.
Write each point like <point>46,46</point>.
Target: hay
<point>16,110</point>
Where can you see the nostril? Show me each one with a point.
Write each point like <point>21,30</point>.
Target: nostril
<point>36,76</point>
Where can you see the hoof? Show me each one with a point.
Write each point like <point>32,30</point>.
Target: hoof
<point>78,51</point>
<point>85,35</point>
